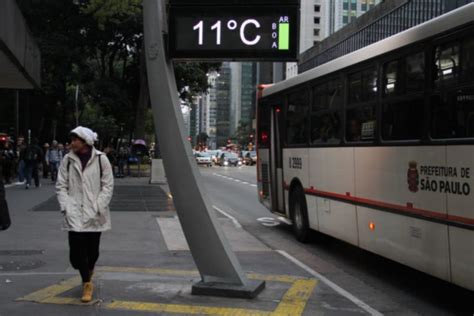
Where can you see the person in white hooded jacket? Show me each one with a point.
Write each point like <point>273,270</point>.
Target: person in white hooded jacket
<point>84,190</point>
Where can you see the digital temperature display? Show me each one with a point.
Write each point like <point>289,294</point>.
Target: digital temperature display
<point>234,33</point>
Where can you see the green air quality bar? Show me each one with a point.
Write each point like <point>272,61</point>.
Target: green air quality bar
<point>283,36</point>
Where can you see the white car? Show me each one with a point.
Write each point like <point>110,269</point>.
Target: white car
<point>203,159</point>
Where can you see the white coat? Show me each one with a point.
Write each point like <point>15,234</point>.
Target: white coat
<point>84,196</point>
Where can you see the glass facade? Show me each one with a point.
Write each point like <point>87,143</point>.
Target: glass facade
<point>248,94</point>
<point>223,99</point>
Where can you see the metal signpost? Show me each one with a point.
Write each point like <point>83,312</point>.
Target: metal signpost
<point>220,270</point>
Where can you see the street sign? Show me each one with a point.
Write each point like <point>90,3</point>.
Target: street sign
<point>254,32</point>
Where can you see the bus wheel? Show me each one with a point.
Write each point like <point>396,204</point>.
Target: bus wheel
<point>299,215</point>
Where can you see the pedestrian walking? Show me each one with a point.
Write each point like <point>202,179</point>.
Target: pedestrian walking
<point>4,215</point>
<point>45,162</point>
<point>8,161</point>
<point>32,157</point>
<point>67,148</point>
<point>121,161</point>
<point>20,149</point>
<point>53,158</point>
<point>84,189</point>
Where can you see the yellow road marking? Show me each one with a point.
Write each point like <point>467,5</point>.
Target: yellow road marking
<point>195,273</point>
<point>293,302</point>
<point>273,278</point>
<point>295,299</point>
<point>183,309</point>
<point>159,271</point>
<point>52,291</point>
<point>66,301</point>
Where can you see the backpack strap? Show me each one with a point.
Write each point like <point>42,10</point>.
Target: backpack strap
<point>100,165</point>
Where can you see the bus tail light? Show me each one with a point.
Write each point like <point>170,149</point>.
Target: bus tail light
<point>372,226</point>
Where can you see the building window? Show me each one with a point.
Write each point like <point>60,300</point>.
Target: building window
<point>317,8</point>
<point>345,19</point>
<point>315,43</point>
<point>317,20</point>
<point>316,32</point>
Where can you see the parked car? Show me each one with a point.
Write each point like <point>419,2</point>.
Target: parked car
<point>229,159</point>
<point>250,158</point>
<point>214,155</point>
<point>203,158</point>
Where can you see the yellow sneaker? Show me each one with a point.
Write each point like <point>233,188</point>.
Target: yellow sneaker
<point>87,292</point>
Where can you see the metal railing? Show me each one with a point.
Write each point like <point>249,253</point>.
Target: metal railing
<point>407,15</point>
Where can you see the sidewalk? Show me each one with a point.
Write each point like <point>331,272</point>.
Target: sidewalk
<point>144,266</point>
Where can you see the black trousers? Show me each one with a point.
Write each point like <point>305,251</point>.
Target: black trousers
<point>84,252</point>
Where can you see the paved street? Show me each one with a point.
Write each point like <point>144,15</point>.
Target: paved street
<point>145,265</point>
<point>385,285</point>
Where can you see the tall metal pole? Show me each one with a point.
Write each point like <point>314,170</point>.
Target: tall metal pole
<point>17,115</point>
<point>76,107</point>
<point>220,270</point>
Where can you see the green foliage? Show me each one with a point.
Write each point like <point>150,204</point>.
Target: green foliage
<point>191,78</point>
<point>243,134</point>
<point>96,44</point>
<point>114,12</point>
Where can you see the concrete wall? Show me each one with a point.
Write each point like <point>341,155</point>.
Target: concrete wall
<point>20,58</point>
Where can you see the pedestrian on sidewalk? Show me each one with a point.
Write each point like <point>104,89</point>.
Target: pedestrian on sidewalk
<point>53,158</point>
<point>45,162</point>
<point>4,215</point>
<point>8,161</point>
<point>20,149</point>
<point>32,157</point>
<point>84,189</point>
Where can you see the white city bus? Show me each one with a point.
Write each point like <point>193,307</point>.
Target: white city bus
<point>376,148</point>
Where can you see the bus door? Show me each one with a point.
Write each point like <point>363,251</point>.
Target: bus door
<point>276,159</point>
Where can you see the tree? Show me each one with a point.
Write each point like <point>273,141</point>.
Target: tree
<point>98,45</point>
<point>244,134</point>
<point>201,139</point>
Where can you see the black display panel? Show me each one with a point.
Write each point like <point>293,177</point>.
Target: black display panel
<point>260,32</point>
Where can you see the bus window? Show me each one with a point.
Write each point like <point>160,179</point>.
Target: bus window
<point>468,58</point>
<point>446,62</point>
<point>453,115</point>
<point>360,123</point>
<point>390,76</point>
<point>334,95</point>
<point>363,86</point>
<point>403,120</point>
<point>415,72</point>
<point>326,128</point>
<point>319,97</point>
<point>325,118</point>
<point>296,118</point>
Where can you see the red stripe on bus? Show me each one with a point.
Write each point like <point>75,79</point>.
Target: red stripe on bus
<point>379,204</point>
